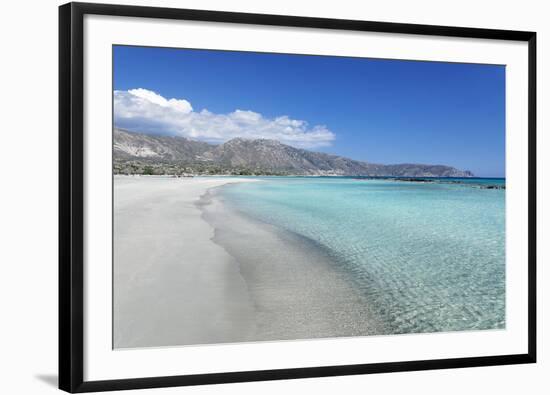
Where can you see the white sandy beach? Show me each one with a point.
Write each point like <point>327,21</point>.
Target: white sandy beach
<point>189,270</point>
<point>172,284</point>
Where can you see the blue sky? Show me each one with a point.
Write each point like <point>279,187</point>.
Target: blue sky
<point>381,111</point>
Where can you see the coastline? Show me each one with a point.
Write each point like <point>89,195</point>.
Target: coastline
<point>297,288</point>
<point>194,266</point>
<point>410,267</point>
<point>189,270</point>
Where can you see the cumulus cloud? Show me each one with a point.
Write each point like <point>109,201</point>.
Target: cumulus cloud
<point>147,111</point>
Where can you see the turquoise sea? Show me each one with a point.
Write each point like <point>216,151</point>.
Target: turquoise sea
<point>428,256</point>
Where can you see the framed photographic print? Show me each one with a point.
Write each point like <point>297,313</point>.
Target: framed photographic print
<point>253,197</point>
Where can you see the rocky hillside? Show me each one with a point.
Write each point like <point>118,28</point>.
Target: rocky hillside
<point>128,145</point>
<point>136,153</point>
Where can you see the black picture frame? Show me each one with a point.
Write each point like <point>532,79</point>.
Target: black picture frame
<point>71,195</point>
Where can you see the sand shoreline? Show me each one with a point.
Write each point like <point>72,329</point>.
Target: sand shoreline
<point>189,269</point>
<point>299,291</point>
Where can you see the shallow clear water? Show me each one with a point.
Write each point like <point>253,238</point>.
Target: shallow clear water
<point>429,256</point>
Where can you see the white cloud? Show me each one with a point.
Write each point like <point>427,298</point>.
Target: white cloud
<point>147,111</point>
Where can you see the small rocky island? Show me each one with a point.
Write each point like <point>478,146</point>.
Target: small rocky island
<point>423,180</point>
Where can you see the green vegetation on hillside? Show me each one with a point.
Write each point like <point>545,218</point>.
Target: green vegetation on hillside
<point>131,167</point>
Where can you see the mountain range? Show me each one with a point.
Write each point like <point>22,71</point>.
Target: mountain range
<point>139,153</point>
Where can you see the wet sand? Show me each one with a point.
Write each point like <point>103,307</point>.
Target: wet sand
<point>298,290</point>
